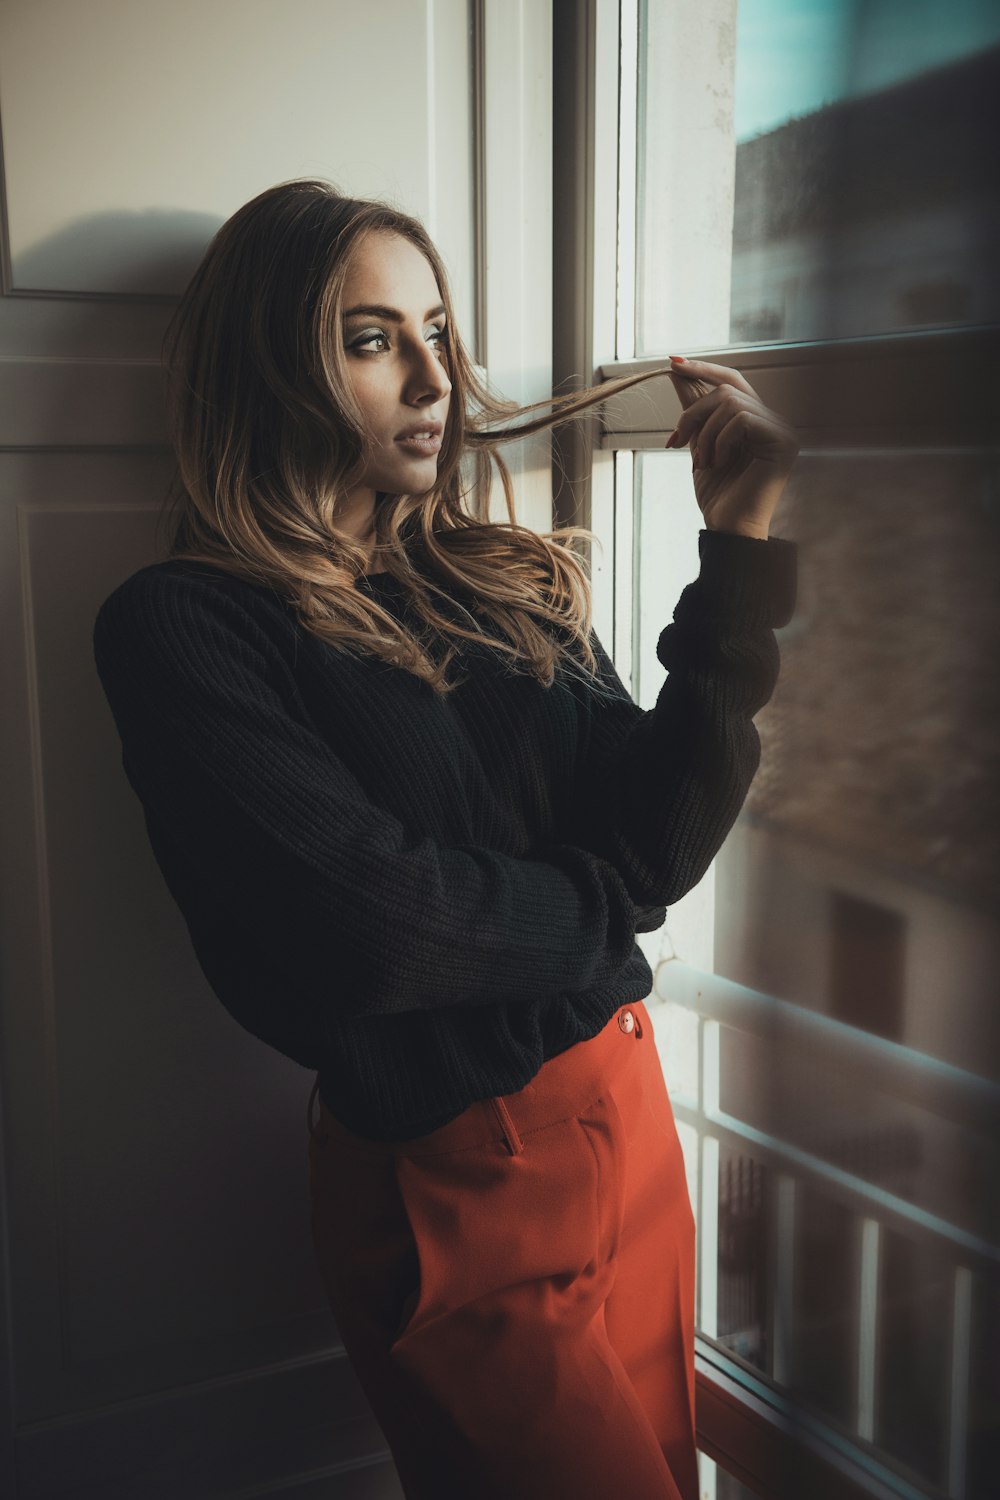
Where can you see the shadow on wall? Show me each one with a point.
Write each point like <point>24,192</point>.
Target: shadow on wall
<point>148,254</point>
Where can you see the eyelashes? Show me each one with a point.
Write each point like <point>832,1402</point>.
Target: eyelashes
<point>440,337</point>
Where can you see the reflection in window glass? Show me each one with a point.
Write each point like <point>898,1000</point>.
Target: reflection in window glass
<point>742,1321</point>
<point>852,139</point>
<point>825,1338</point>
<point>880,745</point>
<point>729,1488</point>
<point>914,1373</point>
<point>852,1223</point>
<point>877,791</point>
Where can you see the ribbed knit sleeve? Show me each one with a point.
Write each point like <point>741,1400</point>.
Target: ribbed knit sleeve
<point>361,915</point>
<point>662,787</point>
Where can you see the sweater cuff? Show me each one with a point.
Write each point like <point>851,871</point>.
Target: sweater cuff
<point>745,579</point>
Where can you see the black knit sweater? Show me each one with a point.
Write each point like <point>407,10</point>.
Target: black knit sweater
<point>424,898</point>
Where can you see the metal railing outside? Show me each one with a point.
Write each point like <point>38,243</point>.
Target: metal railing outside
<point>874,1066</point>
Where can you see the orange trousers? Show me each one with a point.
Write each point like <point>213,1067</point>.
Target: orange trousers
<point>515,1291</point>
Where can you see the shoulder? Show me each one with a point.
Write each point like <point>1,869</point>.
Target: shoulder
<point>179,607</point>
<point>178,578</point>
<point>165,588</point>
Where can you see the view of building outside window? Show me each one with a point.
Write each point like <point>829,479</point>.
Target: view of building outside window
<point>852,171</point>
<point>844,1170</point>
<point>875,211</point>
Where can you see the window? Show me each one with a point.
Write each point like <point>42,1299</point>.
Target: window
<point>802,193</point>
<point>867,981</point>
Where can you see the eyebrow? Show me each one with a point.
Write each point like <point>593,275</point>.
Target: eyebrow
<point>379,310</point>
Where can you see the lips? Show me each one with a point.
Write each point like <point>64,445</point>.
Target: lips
<point>422,441</point>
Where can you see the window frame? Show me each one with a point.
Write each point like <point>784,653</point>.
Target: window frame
<point>933,390</point>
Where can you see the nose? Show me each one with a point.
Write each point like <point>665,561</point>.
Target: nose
<point>427,381</point>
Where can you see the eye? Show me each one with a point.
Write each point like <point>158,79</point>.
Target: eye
<point>441,339</point>
<point>372,337</point>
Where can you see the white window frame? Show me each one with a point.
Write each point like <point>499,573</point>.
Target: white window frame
<point>512,90</point>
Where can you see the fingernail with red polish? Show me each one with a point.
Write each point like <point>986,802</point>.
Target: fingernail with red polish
<point>677,359</point>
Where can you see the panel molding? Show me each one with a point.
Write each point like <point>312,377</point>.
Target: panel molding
<point>55,294</point>
<point>255,1432</point>
<point>6,271</point>
<point>69,402</point>
<point>86,1418</point>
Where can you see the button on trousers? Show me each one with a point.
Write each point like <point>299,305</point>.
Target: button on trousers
<point>515,1291</point>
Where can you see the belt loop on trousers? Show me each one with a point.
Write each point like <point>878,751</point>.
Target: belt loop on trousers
<point>515,1145</point>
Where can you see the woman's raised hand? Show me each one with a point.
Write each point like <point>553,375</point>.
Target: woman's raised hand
<point>742,452</point>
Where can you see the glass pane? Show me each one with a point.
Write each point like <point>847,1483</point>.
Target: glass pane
<point>916,1288</point>
<point>877,796</point>
<point>729,1488</point>
<point>814,169</point>
<point>823,1349</point>
<point>716,1484</point>
<point>849,1213</point>
<point>744,1194</point>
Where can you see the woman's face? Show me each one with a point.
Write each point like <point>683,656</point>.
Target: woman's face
<point>395,343</point>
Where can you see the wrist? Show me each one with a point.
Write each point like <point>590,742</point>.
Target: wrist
<point>758,533</point>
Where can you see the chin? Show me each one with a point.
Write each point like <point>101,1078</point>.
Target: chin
<point>415,478</point>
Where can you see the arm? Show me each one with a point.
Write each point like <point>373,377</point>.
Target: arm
<point>660,788</point>
<point>293,851</point>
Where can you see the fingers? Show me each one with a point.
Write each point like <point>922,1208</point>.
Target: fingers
<point>720,419</point>
<point>688,389</point>
<point>722,413</point>
<point>750,434</point>
<point>708,375</point>
<point>732,440</point>
<point>724,419</point>
<point>694,379</point>
<point>706,415</point>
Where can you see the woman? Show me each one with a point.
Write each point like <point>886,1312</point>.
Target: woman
<point>414,820</point>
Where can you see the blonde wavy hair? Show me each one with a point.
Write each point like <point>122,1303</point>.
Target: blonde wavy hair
<point>268,439</point>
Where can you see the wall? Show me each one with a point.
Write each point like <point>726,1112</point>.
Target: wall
<point>165,1331</point>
